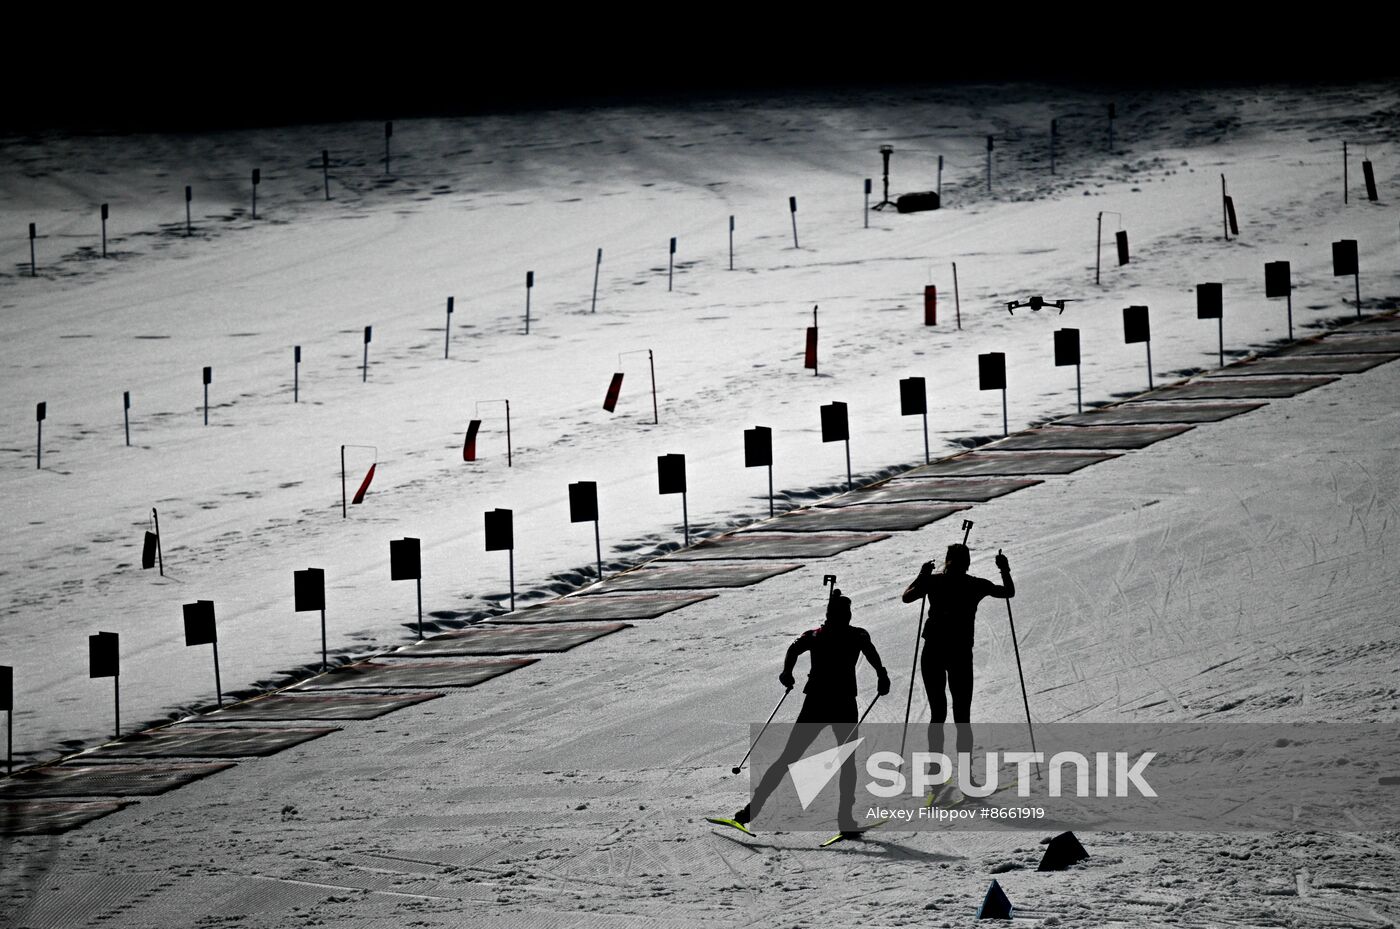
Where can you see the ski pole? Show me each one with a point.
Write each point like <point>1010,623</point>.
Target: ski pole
<point>909,703</point>
<point>1024,700</point>
<point>737,768</point>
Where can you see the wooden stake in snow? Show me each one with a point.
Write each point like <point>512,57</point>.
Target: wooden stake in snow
<point>1210,304</point>
<point>1098,243</point>
<point>33,265</point>
<point>472,435</point>
<point>296,373</point>
<point>1067,353</point>
<point>939,188</point>
<point>208,379</point>
<point>388,134</point>
<point>913,400</point>
<point>104,212</point>
<point>364,368</point>
<point>364,485</point>
<point>126,416</point>
<point>529,286</point>
<point>326,171</point>
<point>309,591</point>
<point>1346,165</point>
<point>500,536</point>
<point>731,242</point>
<point>670,479</point>
<point>406,564</point>
<point>835,428</point>
<point>989,164</point>
<point>867,202</point>
<point>257,179</point>
<point>7,703</point>
<point>104,660</point>
<point>583,508</point>
<point>957,301</point>
<point>611,400</point>
<point>200,630</point>
<point>1054,134</point>
<point>597,267</point>
<point>1278,282</point>
<point>991,375</point>
<point>758,453</point>
<point>792,207</point>
<point>189,222</point>
<point>447,331</point>
<point>1136,329</point>
<point>41,412</point>
<point>1344,261</point>
<point>1112,112</point>
<point>670,263</point>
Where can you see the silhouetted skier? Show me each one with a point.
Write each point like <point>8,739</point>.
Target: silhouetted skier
<point>836,647</point>
<point>953,595</point>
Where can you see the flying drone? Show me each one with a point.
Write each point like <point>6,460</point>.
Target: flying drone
<point>1036,303</point>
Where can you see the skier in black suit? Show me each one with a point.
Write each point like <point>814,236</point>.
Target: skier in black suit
<point>835,647</point>
<point>946,663</point>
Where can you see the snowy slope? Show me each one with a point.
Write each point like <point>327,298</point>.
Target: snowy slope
<point>472,207</point>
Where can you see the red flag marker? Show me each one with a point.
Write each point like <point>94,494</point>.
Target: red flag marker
<point>610,401</point>
<point>469,447</point>
<point>364,485</point>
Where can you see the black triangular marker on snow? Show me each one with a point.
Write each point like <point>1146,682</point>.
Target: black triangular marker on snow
<point>995,905</point>
<point>1062,851</point>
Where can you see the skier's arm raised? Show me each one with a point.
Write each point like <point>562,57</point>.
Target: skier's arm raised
<point>1007,588</point>
<point>919,586</point>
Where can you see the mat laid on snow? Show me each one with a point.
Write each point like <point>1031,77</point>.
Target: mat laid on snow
<point>694,575</point>
<point>1242,388</point>
<point>75,779</point>
<point>52,817</point>
<point>411,674</point>
<point>589,608</point>
<point>1141,414</point>
<point>883,517</point>
<point>285,706</point>
<point>764,544</point>
<point>980,463</point>
<point>1105,437</point>
<point>1305,364</point>
<point>509,640</point>
<point>953,490</point>
<point>188,741</point>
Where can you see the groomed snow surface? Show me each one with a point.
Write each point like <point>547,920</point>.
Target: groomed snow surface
<point>1242,571</point>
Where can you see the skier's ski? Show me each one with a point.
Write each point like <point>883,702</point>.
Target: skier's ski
<point>731,823</point>
<point>854,833</point>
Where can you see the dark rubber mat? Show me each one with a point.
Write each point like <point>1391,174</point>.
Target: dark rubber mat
<point>884,517</point>
<point>284,706</point>
<point>956,490</point>
<point>1244,388</point>
<point>509,640</point>
<point>1105,437</point>
<point>1389,323</point>
<point>52,817</point>
<point>410,674</point>
<point>1305,364</point>
<point>979,463</point>
<point>1350,343</point>
<point>1139,414</point>
<point>772,545</point>
<point>680,577</point>
<point>580,609</point>
<point>106,780</point>
<point>186,741</point>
